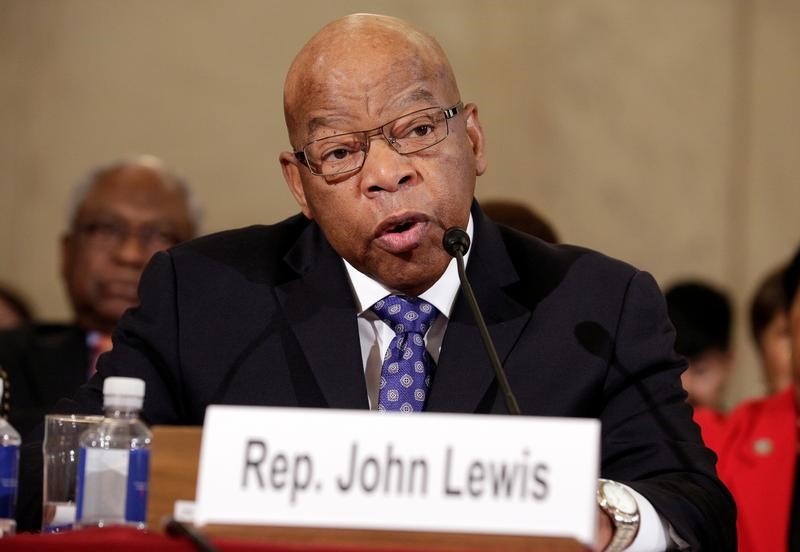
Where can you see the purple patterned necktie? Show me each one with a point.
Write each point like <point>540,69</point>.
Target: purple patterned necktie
<point>405,375</point>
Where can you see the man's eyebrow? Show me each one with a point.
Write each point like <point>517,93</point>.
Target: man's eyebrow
<point>416,96</point>
<point>318,122</point>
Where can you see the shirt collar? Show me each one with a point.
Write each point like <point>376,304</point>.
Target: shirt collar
<point>442,294</point>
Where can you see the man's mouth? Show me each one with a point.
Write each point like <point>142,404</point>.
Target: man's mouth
<point>402,227</point>
<point>401,233</point>
<point>118,289</point>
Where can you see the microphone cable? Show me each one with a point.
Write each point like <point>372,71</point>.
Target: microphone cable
<point>175,528</point>
<point>456,243</point>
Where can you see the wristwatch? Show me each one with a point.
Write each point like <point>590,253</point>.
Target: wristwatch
<point>621,506</point>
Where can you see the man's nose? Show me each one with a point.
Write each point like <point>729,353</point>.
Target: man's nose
<point>385,170</point>
<point>132,250</point>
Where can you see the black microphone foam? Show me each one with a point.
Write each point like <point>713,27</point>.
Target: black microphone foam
<point>456,240</point>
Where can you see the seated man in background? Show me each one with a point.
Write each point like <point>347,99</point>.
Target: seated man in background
<point>14,311</point>
<point>120,215</point>
<point>299,313</point>
<point>769,327</point>
<point>758,454</point>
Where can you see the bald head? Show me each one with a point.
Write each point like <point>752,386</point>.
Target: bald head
<point>351,57</point>
<point>135,168</point>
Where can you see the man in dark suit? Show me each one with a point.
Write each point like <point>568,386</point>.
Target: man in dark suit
<point>121,214</point>
<point>292,314</point>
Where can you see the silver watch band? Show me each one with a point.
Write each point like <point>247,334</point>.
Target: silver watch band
<point>624,535</point>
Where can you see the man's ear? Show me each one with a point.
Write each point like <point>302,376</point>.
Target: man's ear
<point>476,137</point>
<point>291,174</point>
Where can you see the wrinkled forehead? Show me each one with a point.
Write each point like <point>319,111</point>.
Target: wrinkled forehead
<point>364,75</point>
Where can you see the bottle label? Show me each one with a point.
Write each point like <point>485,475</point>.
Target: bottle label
<point>138,476</point>
<point>9,462</point>
<point>112,485</point>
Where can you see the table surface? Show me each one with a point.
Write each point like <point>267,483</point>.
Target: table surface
<point>127,539</point>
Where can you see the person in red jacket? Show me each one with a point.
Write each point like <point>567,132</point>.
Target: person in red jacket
<point>758,453</point>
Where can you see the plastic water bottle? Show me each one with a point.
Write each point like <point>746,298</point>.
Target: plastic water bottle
<point>9,470</point>
<point>114,460</point>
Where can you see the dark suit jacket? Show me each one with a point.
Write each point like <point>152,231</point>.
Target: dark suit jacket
<point>265,316</point>
<point>44,362</point>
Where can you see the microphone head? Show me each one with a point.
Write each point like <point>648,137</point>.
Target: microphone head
<point>456,241</point>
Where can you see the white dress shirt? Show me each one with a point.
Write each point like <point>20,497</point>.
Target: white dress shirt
<point>375,335</point>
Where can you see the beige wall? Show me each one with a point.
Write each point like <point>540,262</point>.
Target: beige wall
<point>665,132</point>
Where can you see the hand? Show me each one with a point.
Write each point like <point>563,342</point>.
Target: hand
<point>605,530</point>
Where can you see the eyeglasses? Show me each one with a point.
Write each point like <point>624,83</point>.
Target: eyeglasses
<point>112,234</point>
<point>344,153</point>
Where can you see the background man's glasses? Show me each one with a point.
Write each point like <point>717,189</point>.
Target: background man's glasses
<point>112,234</point>
<point>347,152</point>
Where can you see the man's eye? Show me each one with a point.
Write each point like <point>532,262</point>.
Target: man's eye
<point>418,128</point>
<point>337,154</point>
<point>421,130</point>
<point>159,236</point>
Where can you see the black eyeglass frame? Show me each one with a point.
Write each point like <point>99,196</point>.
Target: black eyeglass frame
<point>449,113</point>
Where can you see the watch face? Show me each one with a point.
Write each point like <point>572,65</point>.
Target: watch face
<point>619,497</point>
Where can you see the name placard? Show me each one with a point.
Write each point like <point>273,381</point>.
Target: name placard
<point>419,472</point>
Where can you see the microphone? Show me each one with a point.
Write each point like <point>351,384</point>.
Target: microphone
<point>456,243</point>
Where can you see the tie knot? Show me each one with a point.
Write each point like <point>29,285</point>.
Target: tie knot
<point>406,315</point>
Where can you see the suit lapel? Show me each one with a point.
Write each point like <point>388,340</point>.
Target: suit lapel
<point>319,307</point>
<point>464,373</point>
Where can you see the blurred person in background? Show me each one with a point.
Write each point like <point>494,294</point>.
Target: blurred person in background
<point>520,217</point>
<point>769,326</point>
<point>120,215</point>
<point>14,311</point>
<point>758,453</point>
<point>702,318</point>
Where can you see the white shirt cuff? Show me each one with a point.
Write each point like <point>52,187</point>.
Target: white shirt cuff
<point>655,533</point>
